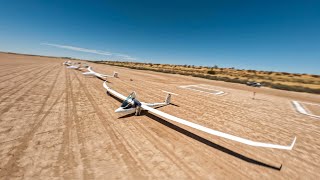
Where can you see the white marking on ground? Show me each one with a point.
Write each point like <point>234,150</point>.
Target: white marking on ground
<point>200,86</point>
<point>301,110</point>
<point>218,93</point>
<point>170,92</point>
<point>310,103</point>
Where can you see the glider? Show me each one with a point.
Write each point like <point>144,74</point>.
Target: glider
<point>67,63</point>
<point>131,104</point>
<point>74,67</point>
<point>78,66</point>
<point>92,73</point>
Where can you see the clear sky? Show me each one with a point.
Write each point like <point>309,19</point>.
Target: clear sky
<point>263,35</point>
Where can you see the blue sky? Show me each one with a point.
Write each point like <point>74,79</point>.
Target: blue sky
<point>263,35</point>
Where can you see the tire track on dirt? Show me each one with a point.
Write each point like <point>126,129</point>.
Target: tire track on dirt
<point>85,163</point>
<point>9,67</point>
<point>65,160</point>
<point>21,73</point>
<point>13,77</point>
<point>28,81</point>
<point>5,70</point>
<point>23,80</point>
<point>11,166</point>
<point>20,97</point>
<point>67,157</point>
<point>16,67</point>
<point>128,157</point>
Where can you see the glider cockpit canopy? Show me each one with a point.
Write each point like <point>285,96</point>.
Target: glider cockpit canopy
<point>130,102</point>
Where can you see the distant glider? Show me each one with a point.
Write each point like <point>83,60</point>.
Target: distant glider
<point>92,73</point>
<point>78,66</point>
<point>67,63</point>
<point>131,104</point>
<point>74,67</point>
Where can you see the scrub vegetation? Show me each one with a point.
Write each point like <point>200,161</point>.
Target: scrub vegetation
<point>278,80</point>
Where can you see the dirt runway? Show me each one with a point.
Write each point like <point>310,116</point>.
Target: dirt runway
<point>56,123</point>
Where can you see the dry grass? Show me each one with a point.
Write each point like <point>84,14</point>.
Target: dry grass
<point>278,80</point>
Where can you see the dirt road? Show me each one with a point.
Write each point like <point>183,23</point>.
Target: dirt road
<point>56,123</point>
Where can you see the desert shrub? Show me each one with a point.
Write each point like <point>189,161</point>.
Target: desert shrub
<point>211,72</point>
<point>299,80</point>
<point>201,74</point>
<point>269,72</point>
<point>285,73</point>
<point>252,71</point>
<point>315,76</point>
<point>99,62</point>
<point>294,88</point>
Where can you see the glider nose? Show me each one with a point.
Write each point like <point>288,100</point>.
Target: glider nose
<point>120,109</point>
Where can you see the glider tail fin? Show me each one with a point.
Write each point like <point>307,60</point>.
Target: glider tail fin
<point>168,99</point>
<point>115,74</point>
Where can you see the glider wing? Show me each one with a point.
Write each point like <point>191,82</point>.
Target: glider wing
<point>215,132</point>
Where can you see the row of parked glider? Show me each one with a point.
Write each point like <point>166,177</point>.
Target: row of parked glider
<point>132,105</point>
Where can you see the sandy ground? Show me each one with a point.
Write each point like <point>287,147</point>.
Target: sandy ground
<point>313,109</point>
<point>56,123</point>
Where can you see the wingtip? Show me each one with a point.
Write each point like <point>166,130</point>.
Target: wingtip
<point>105,85</point>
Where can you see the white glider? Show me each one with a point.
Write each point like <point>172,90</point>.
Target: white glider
<point>67,63</point>
<point>131,104</point>
<point>92,73</point>
<point>77,65</point>
<point>74,67</point>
